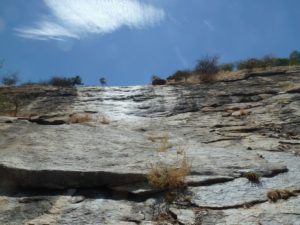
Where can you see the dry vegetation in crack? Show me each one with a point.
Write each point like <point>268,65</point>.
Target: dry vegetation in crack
<point>164,141</point>
<point>275,195</point>
<point>168,177</point>
<point>87,118</point>
<point>240,114</point>
<point>103,120</point>
<point>164,144</point>
<point>291,88</point>
<point>11,103</point>
<point>164,218</point>
<point>253,177</point>
<point>80,118</point>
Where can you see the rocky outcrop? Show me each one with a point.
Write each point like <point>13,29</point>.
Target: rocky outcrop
<point>159,81</point>
<point>94,171</point>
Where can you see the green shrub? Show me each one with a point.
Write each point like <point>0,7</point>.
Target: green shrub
<point>103,81</point>
<point>268,61</point>
<point>157,80</point>
<point>226,67</point>
<point>281,62</point>
<point>76,80</point>
<point>10,80</point>
<point>180,75</point>
<point>65,82</point>
<point>294,58</point>
<point>249,64</point>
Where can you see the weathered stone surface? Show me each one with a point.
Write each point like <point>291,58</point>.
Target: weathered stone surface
<point>62,210</point>
<point>284,212</point>
<point>242,192</point>
<point>184,216</point>
<point>224,129</point>
<point>40,156</point>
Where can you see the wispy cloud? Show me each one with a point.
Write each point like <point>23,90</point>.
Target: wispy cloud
<point>209,25</point>
<point>46,30</point>
<point>78,18</point>
<point>180,56</point>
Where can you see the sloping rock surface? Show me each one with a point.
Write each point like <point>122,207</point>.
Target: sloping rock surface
<point>82,156</point>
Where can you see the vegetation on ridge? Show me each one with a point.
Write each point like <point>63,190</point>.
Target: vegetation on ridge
<point>208,67</point>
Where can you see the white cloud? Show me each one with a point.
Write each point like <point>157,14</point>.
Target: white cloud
<point>46,30</point>
<point>78,18</point>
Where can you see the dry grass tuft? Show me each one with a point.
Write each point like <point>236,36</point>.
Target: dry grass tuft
<point>164,144</point>
<point>164,218</point>
<point>180,151</point>
<point>275,195</point>
<point>163,176</point>
<point>164,141</point>
<point>80,118</point>
<point>243,112</point>
<point>253,177</point>
<point>103,120</point>
<point>86,118</point>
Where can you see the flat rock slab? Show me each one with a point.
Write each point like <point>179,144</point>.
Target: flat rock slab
<point>79,155</point>
<point>241,192</point>
<point>77,210</point>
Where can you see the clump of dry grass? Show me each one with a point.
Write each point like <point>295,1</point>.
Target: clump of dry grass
<point>151,138</point>
<point>80,118</point>
<point>240,113</point>
<point>243,112</point>
<point>103,120</point>
<point>164,141</point>
<point>164,144</point>
<point>163,176</point>
<point>253,177</point>
<point>164,218</point>
<point>275,195</point>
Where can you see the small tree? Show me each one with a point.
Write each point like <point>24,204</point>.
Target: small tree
<point>208,65</point>
<point>10,80</point>
<point>207,68</point>
<point>76,80</point>
<point>103,81</point>
<point>64,81</point>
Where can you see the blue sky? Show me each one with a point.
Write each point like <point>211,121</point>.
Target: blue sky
<point>127,41</point>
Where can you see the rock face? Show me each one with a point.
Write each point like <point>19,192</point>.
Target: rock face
<point>55,169</point>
